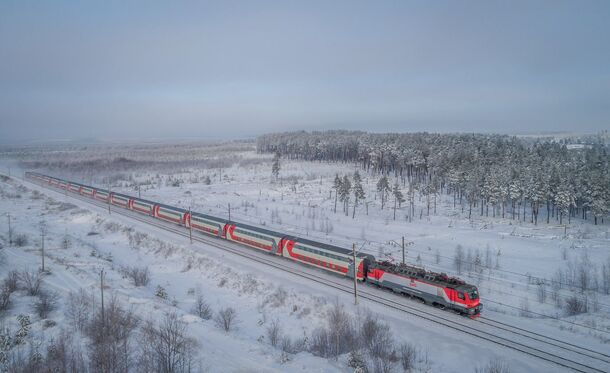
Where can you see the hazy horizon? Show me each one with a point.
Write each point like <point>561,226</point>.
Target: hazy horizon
<point>226,70</point>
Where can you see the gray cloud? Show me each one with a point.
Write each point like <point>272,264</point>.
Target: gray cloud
<point>233,69</point>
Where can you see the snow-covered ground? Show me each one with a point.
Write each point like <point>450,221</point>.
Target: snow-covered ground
<point>517,262</point>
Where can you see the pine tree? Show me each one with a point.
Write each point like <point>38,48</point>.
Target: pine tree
<point>275,168</point>
<point>358,191</point>
<point>398,198</point>
<point>337,187</point>
<point>344,192</point>
<point>383,187</point>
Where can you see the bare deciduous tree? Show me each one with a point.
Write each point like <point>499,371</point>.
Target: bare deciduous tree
<point>226,318</point>
<point>274,332</point>
<point>201,308</point>
<point>140,276</point>
<point>110,338</point>
<point>79,308</point>
<point>31,281</point>
<point>167,347</point>
<point>46,303</point>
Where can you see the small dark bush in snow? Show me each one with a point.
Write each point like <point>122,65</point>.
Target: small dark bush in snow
<point>79,307</point>
<point>140,276</point>
<point>5,297</point>
<point>160,292</point>
<point>575,305</point>
<point>408,356</point>
<point>46,303</point>
<point>274,332</point>
<point>494,366</point>
<point>12,281</point>
<point>31,282</point>
<point>21,240</point>
<point>201,308</point>
<point>226,318</point>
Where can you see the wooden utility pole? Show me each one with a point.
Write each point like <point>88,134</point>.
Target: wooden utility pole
<point>42,234</point>
<point>190,226</point>
<point>102,291</point>
<point>229,212</point>
<point>139,195</point>
<point>355,274</point>
<point>109,194</point>
<point>10,230</point>
<point>403,249</point>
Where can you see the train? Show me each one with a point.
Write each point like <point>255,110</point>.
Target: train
<point>436,289</point>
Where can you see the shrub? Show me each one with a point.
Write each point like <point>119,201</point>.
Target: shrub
<point>226,318</point>
<point>110,338</point>
<point>79,308</point>
<point>201,308</point>
<point>160,292</point>
<point>12,281</point>
<point>5,297</point>
<point>140,276</point>
<point>31,282</point>
<point>575,305</point>
<point>494,366</point>
<point>408,356</point>
<point>167,347</point>
<point>47,302</point>
<point>20,240</point>
<point>274,331</point>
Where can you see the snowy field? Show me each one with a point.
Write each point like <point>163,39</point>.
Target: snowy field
<point>523,271</point>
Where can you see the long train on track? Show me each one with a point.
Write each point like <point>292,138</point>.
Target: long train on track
<point>432,288</point>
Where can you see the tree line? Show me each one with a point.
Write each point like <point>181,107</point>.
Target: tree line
<point>494,174</point>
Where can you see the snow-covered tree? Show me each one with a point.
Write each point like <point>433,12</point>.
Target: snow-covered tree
<point>358,191</point>
<point>383,187</point>
<point>398,197</point>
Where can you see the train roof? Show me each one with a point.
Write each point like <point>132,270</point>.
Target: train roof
<point>329,247</point>
<point>209,217</point>
<point>170,207</point>
<point>420,273</point>
<point>258,229</point>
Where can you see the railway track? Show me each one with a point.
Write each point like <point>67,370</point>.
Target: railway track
<point>545,348</point>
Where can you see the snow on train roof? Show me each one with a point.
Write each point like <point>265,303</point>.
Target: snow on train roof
<point>329,247</point>
<point>258,229</point>
<point>209,217</point>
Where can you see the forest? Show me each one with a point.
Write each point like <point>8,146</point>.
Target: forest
<point>488,174</point>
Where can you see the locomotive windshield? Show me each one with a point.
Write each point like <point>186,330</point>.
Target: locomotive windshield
<point>473,294</point>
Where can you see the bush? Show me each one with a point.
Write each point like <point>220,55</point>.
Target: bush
<point>408,355</point>
<point>12,281</point>
<point>226,319</point>
<point>274,331</point>
<point>110,338</point>
<point>31,282</point>
<point>47,302</point>
<point>494,366</point>
<point>5,297</point>
<point>167,347</point>
<point>20,240</point>
<point>160,292</point>
<point>201,308</point>
<point>575,305</point>
<point>140,276</point>
<point>79,307</point>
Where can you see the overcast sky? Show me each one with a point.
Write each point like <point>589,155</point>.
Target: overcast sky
<point>172,69</point>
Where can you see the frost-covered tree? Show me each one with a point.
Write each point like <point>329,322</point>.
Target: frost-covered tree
<point>275,167</point>
<point>337,186</point>
<point>358,191</point>
<point>398,197</point>
<point>383,187</point>
<point>344,193</point>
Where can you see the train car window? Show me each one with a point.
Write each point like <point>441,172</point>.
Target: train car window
<point>460,295</point>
